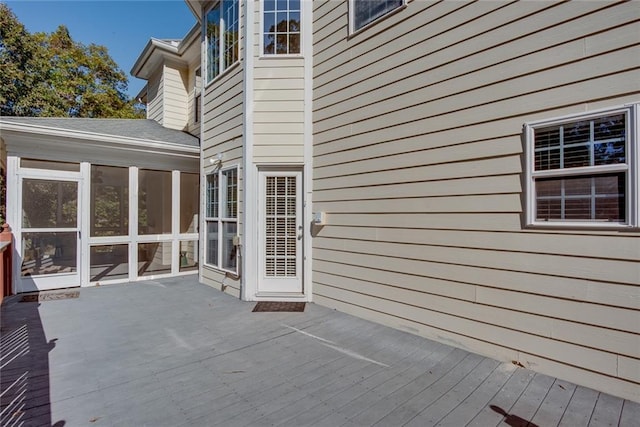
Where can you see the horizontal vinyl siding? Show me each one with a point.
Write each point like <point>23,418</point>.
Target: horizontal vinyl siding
<point>155,97</point>
<point>194,87</point>
<point>278,122</point>
<point>418,164</point>
<point>175,98</point>
<point>222,133</point>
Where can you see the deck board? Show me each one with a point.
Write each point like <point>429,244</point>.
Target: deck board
<point>580,408</point>
<point>607,411</point>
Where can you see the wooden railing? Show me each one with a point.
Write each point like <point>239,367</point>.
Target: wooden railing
<point>6,248</point>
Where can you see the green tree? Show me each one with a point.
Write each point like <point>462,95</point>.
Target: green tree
<point>51,75</point>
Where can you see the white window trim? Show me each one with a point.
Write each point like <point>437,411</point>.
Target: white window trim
<point>281,55</point>
<point>220,220</point>
<point>352,18</point>
<point>223,69</point>
<point>631,167</point>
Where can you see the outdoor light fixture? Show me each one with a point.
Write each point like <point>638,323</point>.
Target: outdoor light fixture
<point>217,160</point>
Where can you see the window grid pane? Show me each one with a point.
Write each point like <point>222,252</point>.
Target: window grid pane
<point>222,37</point>
<point>231,178</point>
<point>231,32</point>
<point>600,141</point>
<point>212,195</point>
<point>212,243</point>
<point>582,198</point>
<point>281,27</point>
<point>229,231</point>
<point>367,11</point>
<point>213,43</point>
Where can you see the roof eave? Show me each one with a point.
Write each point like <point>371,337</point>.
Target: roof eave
<point>153,46</point>
<point>96,137</point>
<point>196,8</point>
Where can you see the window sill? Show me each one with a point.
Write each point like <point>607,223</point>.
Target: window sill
<point>583,226</point>
<point>281,56</point>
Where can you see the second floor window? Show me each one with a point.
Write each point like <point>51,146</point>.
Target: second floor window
<point>281,27</point>
<point>364,12</point>
<point>222,37</point>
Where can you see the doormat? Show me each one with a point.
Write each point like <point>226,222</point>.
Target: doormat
<point>49,296</point>
<point>264,306</point>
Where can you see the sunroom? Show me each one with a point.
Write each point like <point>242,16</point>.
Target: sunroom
<point>98,201</point>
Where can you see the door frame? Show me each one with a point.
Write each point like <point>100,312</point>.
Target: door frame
<point>251,250</point>
<point>293,286</point>
<point>55,281</point>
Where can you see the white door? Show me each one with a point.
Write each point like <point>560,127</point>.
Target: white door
<point>49,238</point>
<point>280,250</point>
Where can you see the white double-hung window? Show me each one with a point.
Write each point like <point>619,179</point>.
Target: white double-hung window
<point>364,12</point>
<point>221,219</point>
<point>222,37</point>
<point>281,27</point>
<point>583,170</point>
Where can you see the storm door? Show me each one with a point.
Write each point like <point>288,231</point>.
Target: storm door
<point>49,233</point>
<point>280,233</point>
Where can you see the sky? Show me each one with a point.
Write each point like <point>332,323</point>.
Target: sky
<point>123,26</point>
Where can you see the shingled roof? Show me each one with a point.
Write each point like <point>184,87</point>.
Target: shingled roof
<point>131,128</point>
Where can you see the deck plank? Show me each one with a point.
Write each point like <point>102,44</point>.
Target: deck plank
<point>580,408</point>
<point>630,414</point>
<point>472,406</point>
<point>555,403</point>
<point>607,411</point>
<point>431,392</point>
<point>414,384</point>
<point>530,400</point>
<point>449,401</point>
<point>335,410</point>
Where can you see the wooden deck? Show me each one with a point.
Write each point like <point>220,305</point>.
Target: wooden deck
<point>174,352</point>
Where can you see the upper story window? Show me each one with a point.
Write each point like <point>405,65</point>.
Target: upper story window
<point>222,37</point>
<point>583,170</point>
<point>364,12</point>
<point>281,27</point>
<point>197,99</point>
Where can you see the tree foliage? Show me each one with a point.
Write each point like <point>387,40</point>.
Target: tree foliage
<point>52,75</point>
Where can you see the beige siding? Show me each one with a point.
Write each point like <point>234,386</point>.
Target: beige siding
<point>222,133</point>
<point>195,87</point>
<point>175,98</point>
<point>418,163</point>
<point>154,97</point>
<point>278,120</point>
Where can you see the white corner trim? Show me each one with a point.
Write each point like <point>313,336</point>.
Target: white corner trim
<point>307,196</point>
<point>249,253</point>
